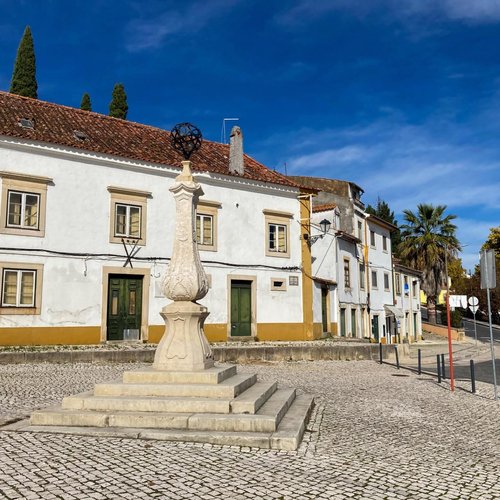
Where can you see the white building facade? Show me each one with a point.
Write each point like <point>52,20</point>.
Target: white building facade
<point>407,295</point>
<point>353,271</point>
<point>87,222</point>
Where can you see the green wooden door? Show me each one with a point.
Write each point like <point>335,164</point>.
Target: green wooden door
<point>241,308</point>
<point>324,308</point>
<point>124,307</point>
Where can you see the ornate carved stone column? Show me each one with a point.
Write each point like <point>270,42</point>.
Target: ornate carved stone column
<point>184,346</point>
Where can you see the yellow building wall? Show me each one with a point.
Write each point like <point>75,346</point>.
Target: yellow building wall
<point>86,335</point>
<point>68,335</point>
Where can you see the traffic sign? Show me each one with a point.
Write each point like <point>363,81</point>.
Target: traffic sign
<point>488,272</point>
<point>474,309</point>
<point>473,301</point>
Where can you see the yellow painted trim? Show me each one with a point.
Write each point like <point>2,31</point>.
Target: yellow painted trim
<point>280,331</point>
<point>62,335</point>
<point>82,335</point>
<point>216,332</point>
<point>307,282</point>
<point>318,330</point>
<point>334,328</point>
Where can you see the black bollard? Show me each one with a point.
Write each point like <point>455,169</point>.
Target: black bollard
<point>438,369</point>
<point>420,361</point>
<point>472,377</point>
<point>380,352</point>
<point>397,355</point>
<point>443,372</point>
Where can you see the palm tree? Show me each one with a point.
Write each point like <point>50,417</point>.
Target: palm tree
<point>427,237</point>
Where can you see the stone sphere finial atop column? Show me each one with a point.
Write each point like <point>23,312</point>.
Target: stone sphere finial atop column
<point>186,139</point>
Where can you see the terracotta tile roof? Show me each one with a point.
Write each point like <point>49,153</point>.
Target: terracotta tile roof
<point>381,222</point>
<point>57,124</point>
<point>336,186</point>
<point>324,208</point>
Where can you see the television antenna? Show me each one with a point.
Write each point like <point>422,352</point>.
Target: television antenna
<point>223,131</point>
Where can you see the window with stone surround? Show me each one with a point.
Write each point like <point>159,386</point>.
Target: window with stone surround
<point>347,274</point>
<point>277,233</point>
<point>206,224</point>
<point>23,206</point>
<point>128,214</point>
<point>386,282</point>
<point>21,288</point>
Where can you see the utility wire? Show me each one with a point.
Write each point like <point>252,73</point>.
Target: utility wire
<point>111,256</point>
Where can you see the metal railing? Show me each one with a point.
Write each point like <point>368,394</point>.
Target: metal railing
<point>441,372</point>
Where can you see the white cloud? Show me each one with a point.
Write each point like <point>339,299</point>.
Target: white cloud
<point>475,11</point>
<point>327,158</point>
<point>150,33</point>
<point>485,11</point>
<point>440,162</point>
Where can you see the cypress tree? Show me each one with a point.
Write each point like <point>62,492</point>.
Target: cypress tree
<point>86,104</point>
<point>118,106</point>
<point>24,75</point>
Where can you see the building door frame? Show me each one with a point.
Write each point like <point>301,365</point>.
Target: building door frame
<point>124,306</point>
<point>253,304</point>
<point>325,309</point>
<point>146,274</point>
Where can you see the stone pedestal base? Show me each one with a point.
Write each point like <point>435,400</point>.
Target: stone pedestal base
<point>184,346</point>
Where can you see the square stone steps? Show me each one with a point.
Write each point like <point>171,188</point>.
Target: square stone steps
<point>228,389</point>
<point>266,420</point>
<point>253,398</point>
<point>287,436</point>
<point>214,375</point>
<point>87,401</point>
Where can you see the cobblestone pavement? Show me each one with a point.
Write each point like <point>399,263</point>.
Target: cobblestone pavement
<point>376,433</point>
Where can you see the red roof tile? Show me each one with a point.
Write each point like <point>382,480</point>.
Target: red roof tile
<point>324,208</point>
<point>57,124</point>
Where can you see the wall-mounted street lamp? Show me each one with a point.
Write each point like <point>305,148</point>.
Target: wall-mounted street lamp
<point>325,227</point>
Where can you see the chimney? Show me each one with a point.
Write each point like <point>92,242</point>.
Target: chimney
<point>236,151</point>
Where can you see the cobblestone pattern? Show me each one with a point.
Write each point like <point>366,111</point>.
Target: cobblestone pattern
<point>372,436</point>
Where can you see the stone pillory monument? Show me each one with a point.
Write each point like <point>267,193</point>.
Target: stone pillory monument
<point>184,396</point>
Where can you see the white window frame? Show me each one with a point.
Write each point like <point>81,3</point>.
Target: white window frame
<point>33,308</point>
<point>131,198</point>
<point>374,281</point>
<point>387,281</point>
<point>279,220</point>
<point>384,244</point>
<point>278,228</point>
<point>25,185</point>
<point>362,276</point>
<point>200,237</point>
<point>19,279</point>
<point>347,276</point>
<point>127,233</point>
<point>22,215</point>
<point>373,241</point>
<point>208,208</point>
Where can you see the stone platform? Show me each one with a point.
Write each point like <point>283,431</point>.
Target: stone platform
<point>215,406</point>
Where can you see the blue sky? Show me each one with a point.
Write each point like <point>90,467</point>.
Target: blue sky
<point>399,96</point>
